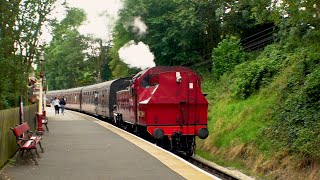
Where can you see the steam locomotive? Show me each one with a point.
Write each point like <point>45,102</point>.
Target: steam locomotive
<point>164,103</point>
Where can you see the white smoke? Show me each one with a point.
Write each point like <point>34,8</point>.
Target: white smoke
<point>136,55</point>
<point>137,25</point>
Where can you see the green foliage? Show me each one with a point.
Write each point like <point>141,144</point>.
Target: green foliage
<point>74,18</point>
<point>298,112</point>
<point>10,83</point>
<point>250,76</point>
<point>281,115</point>
<point>65,56</point>
<point>20,28</point>
<point>226,56</point>
<point>238,17</point>
<point>233,122</point>
<point>179,32</point>
<point>296,115</point>
<point>299,12</point>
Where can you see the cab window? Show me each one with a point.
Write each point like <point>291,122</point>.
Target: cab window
<point>150,80</point>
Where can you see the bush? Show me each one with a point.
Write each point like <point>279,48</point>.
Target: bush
<point>248,77</point>
<point>297,114</point>
<point>226,56</point>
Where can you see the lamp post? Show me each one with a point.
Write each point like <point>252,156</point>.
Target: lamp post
<point>44,97</point>
<point>40,110</point>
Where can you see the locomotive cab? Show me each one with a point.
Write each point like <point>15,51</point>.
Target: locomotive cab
<point>171,105</point>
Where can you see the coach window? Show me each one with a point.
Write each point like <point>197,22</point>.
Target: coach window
<point>88,97</point>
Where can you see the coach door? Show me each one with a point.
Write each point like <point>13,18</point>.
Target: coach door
<point>96,102</point>
<point>104,103</point>
<point>80,99</point>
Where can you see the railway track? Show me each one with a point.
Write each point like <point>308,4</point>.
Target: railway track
<point>210,169</point>
<point>208,166</point>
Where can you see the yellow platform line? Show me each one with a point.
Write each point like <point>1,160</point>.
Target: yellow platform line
<point>172,161</point>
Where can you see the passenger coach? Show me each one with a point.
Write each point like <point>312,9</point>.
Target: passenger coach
<point>99,99</point>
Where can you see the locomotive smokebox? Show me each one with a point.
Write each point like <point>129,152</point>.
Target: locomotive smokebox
<point>158,133</point>
<point>203,133</point>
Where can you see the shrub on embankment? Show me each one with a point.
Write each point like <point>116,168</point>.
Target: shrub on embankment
<point>264,115</point>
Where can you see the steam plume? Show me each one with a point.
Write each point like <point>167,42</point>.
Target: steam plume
<point>136,55</point>
<point>136,26</point>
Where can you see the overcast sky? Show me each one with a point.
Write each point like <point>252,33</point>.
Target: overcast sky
<point>97,10</point>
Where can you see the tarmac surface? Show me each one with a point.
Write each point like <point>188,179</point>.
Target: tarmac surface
<point>81,147</point>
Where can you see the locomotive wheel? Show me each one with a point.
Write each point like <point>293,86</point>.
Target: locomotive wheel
<point>171,147</point>
<point>191,149</point>
<point>159,142</point>
<point>190,152</point>
<point>136,130</point>
<point>119,121</point>
<point>126,126</point>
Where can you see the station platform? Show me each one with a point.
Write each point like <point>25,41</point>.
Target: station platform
<point>82,147</point>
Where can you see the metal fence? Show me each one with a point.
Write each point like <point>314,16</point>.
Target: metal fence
<point>10,118</point>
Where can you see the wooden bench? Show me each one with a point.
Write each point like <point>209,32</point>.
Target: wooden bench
<point>26,141</point>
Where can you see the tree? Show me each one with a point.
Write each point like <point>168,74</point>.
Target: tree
<point>20,28</point>
<point>65,55</point>
<point>98,54</point>
<point>179,32</point>
<point>226,56</point>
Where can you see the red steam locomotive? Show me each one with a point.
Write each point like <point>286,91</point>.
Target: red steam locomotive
<point>165,103</point>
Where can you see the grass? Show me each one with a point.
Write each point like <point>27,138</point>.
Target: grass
<point>243,133</point>
<point>239,121</point>
<point>237,136</point>
<point>235,129</point>
<point>236,126</point>
<point>222,161</point>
